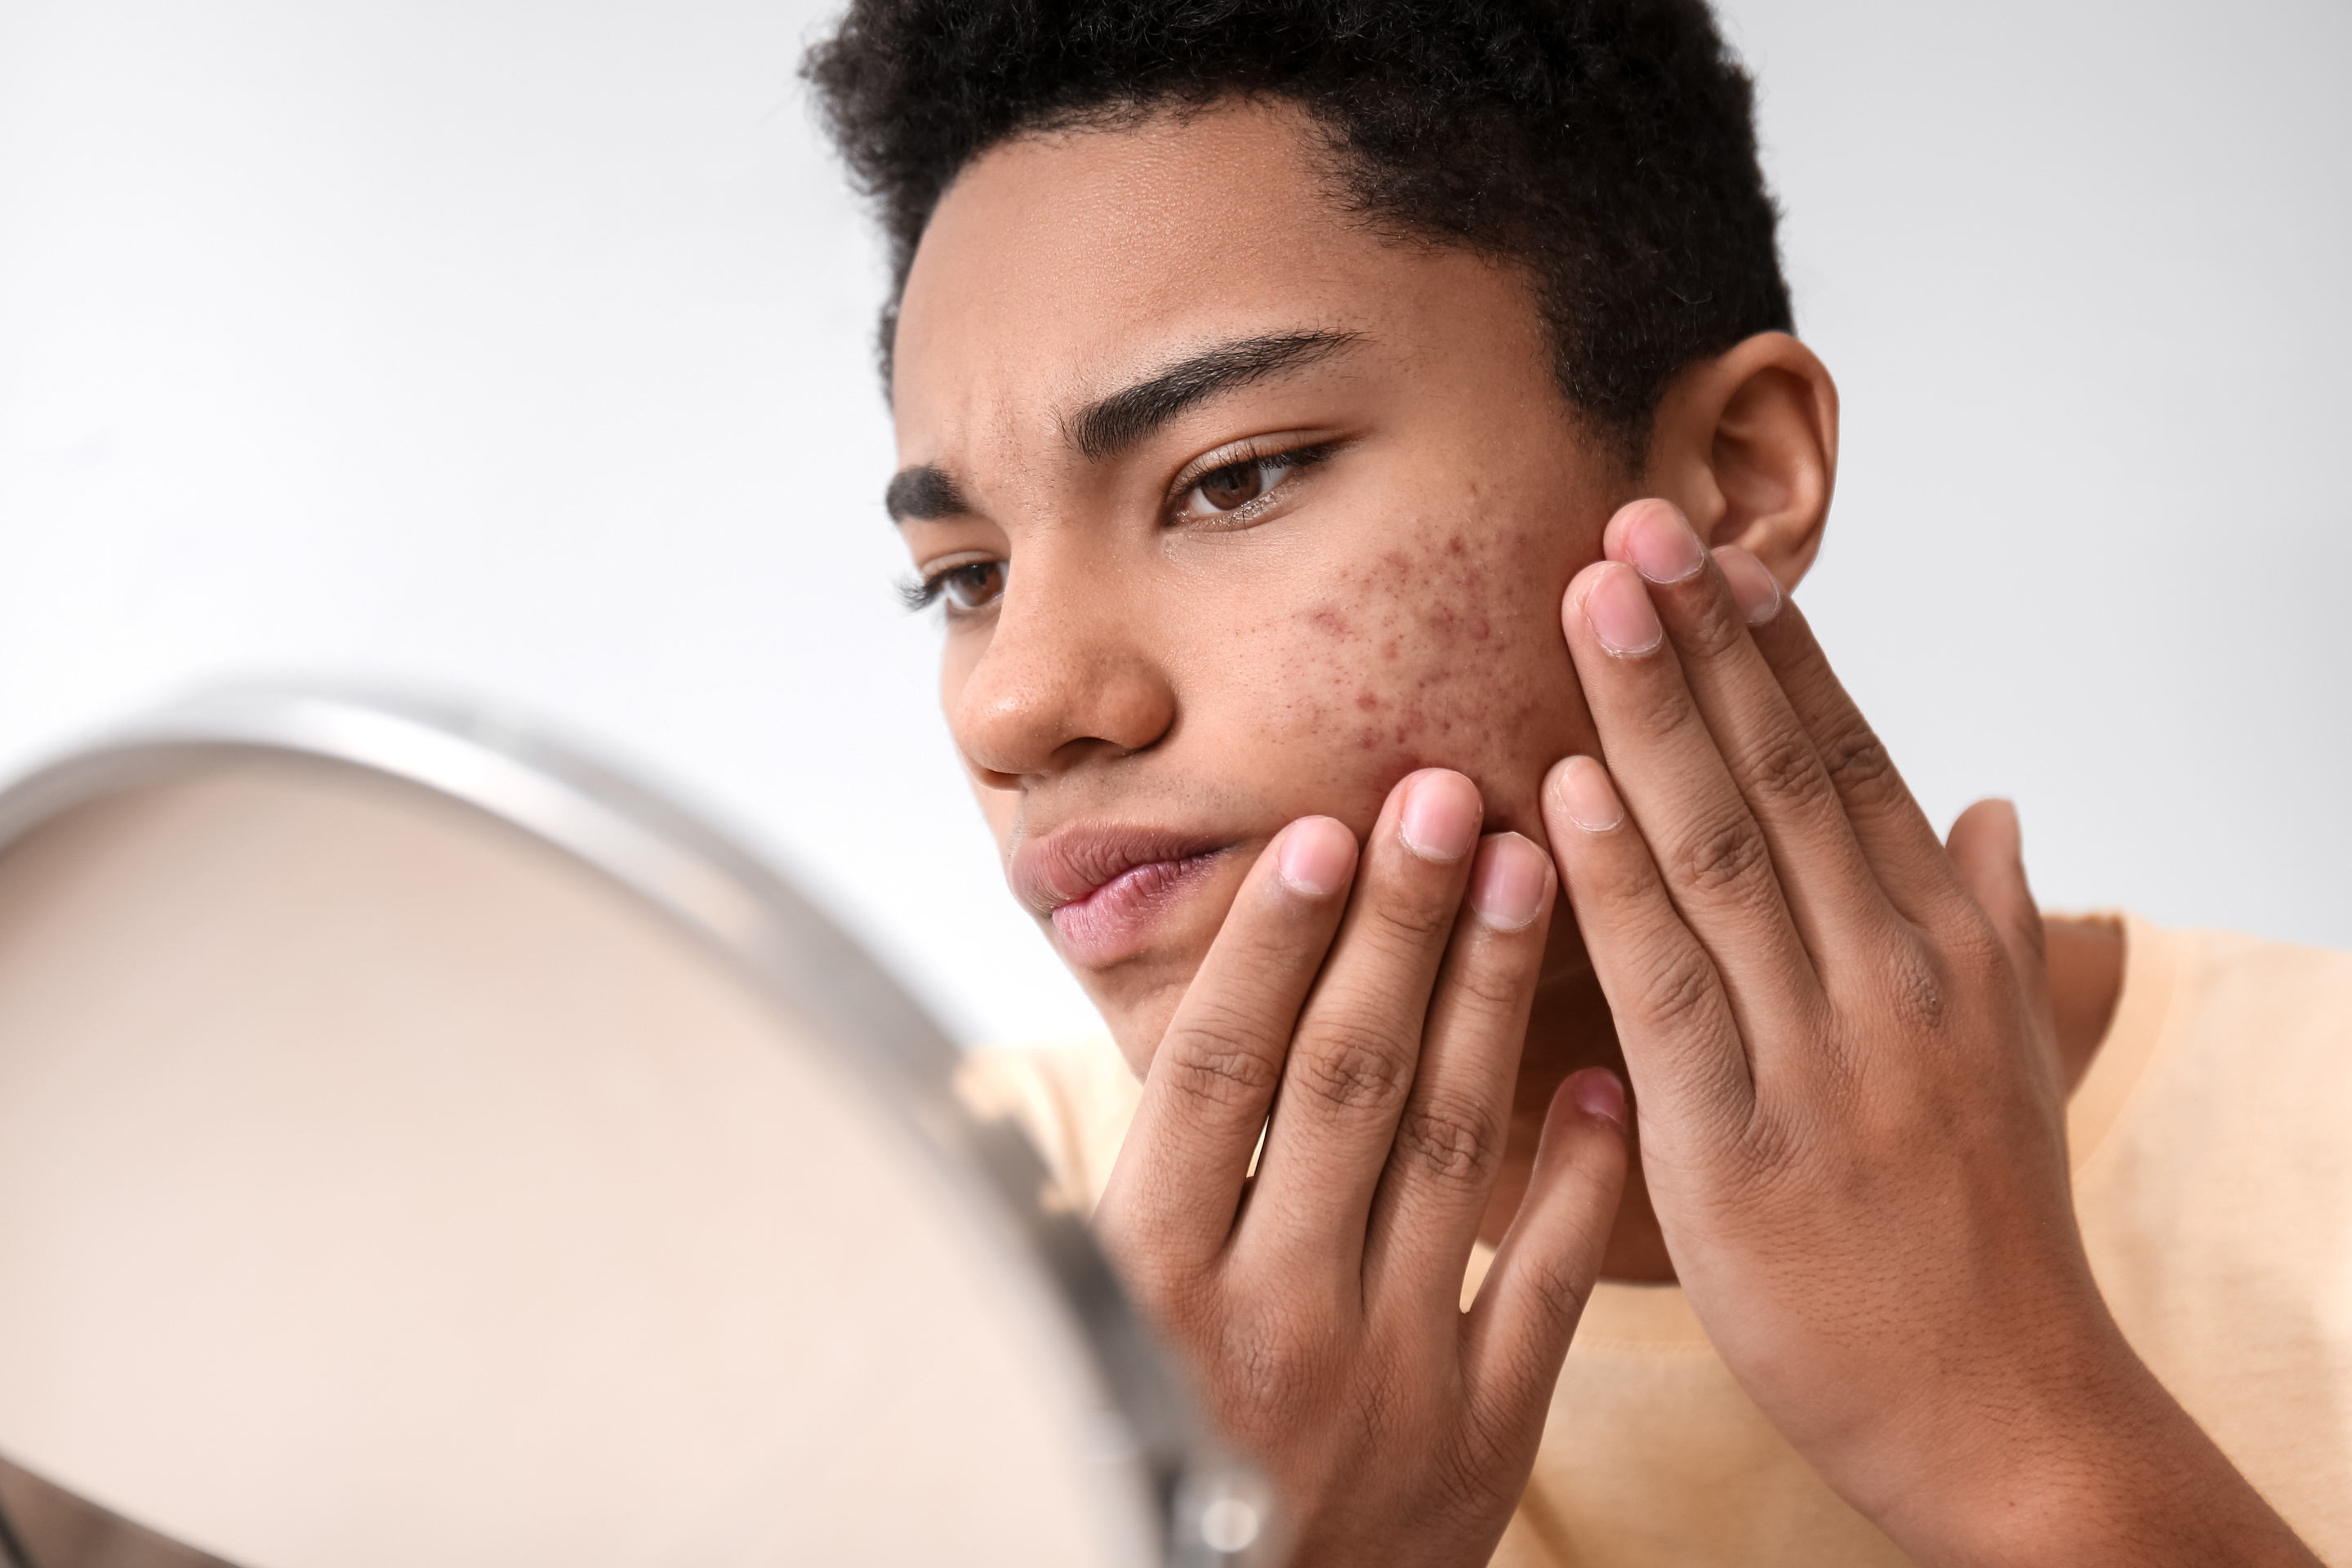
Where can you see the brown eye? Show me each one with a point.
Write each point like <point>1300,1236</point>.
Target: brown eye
<point>1236,484</point>
<point>974,586</point>
<point>1239,494</point>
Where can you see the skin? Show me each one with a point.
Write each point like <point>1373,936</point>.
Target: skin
<point>1353,697</point>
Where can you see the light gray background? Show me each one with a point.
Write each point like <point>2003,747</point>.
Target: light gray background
<point>521,349</point>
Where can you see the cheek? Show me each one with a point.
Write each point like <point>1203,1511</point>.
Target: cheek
<point>1446,652</point>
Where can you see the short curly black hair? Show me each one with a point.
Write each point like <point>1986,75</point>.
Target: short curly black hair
<point>1608,146</point>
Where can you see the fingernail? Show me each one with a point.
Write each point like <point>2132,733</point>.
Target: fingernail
<point>1600,1093</point>
<point>1618,607</point>
<point>1316,855</point>
<point>1756,590</point>
<point>1662,546</point>
<point>1511,882</point>
<point>1441,817</point>
<point>1588,796</point>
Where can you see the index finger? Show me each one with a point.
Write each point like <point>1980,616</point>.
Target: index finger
<point>1895,834</point>
<point>1832,889</point>
<point>1177,1185</point>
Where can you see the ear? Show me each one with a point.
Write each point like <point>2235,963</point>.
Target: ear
<point>1745,444</point>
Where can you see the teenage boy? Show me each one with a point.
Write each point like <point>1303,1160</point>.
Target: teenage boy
<point>1363,458</point>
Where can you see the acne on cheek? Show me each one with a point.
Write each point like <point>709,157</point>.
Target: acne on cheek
<point>1438,655</point>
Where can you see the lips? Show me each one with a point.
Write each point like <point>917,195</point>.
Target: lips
<point>1106,888</point>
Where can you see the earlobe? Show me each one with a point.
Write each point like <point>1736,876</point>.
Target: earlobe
<point>1745,444</point>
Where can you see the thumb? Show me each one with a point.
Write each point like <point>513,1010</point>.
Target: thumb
<point>1988,852</point>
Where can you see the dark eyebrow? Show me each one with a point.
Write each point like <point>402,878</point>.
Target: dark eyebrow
<point>923,491</point>
<point>1110,425</point>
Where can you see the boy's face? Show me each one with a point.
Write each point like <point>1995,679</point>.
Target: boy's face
<point>1192,640</point>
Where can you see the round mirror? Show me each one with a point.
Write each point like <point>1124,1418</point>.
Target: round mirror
<point>420,1145</point>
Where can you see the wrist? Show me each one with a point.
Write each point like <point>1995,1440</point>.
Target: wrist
<point>2087,1464</point>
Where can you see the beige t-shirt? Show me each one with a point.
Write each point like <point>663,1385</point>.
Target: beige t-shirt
<point>2212,1154</point>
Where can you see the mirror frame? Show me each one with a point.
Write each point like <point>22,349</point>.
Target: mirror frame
<point>726,898</point>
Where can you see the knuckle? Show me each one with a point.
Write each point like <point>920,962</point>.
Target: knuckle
<point>1213,1060</point>
<point>1915,991</point>
<point>1715,624</point>
<point>1455,1141</point>
<point>1679,991</point>
<point>1662,712</point>
<point>1786,767</point>
<point>1486,989</point>
<point>1560,1289</point>
<point>1973,957</point>
<point>1858,763</point>
<point>1724,859</point>
<point>1352,1077</point>
<point>1412,923</point>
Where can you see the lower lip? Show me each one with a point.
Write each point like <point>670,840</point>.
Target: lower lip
<point>1115,920</point>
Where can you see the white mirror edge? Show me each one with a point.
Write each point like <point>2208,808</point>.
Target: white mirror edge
<point>725,897</point>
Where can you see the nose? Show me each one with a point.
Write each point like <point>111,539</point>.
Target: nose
<point>1064,676</point>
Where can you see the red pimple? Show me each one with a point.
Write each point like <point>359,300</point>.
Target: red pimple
<point>1412,722</point>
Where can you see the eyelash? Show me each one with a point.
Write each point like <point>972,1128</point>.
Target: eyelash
<point>919,593</point>
<point>1285,463</point>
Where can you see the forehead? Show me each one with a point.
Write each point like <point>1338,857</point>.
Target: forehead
<point>1057,267</point>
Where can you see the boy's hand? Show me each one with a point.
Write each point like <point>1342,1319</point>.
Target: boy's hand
<point>1318,1301</point>
<point>1851,1119</point>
